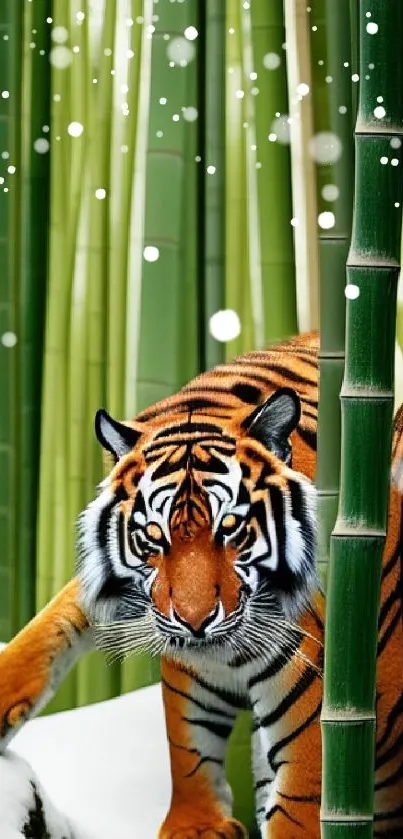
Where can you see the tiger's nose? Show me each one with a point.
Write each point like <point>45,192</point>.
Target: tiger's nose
<point>198,625</point>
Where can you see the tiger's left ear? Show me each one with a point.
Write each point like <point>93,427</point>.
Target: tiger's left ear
<point>274,421</point>
<point>114,436</point>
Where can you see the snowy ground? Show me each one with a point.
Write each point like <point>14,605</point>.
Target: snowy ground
<point>105,765</point>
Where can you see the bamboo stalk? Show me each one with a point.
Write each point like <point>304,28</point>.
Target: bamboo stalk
<point>123,148</point>
<point>302,166</point>
<point>11,27</point>
<point>237,290</point>
<point>348,716</point>
<point>35,176</point>
<point>53,505</point>
<point>94,682</point>
<point>212,103</point>
<point>158,374</point>
<point>269,91</point>
<point>335,181</point>
<point>136,227</point>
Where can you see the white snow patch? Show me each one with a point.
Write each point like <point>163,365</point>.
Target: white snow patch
<point>105,766</point>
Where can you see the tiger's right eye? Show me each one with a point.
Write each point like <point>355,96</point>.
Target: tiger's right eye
<point>229,521</point>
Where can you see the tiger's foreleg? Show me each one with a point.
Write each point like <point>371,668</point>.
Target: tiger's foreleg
<point>36,661</point>
<point>286,743</point>
<point>199,722</point>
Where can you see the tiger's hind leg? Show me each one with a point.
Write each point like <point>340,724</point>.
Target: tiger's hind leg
<point>36,661</point>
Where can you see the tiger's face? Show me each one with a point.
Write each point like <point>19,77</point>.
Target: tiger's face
<point>201,533</point>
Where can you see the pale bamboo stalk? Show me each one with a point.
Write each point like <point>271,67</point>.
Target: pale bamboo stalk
<point>297,23</point>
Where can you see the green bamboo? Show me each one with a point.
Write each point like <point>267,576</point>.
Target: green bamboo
<point>161,373</point>
<point>95,682</point>
<point>333,250</point>
<point>123,149</point>
<point>55,560</point>
<point>237,290</point>
<point>35,174</point>
<point>52,508</point>
<point>212,97</point>
<point>76,385</point>
<point>274,174</point>
<point>11,27</point>
<point>348,717</point>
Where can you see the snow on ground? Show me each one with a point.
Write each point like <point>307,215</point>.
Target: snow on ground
<point>105,766</point>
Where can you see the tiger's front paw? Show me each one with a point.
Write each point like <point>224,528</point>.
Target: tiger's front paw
<point>197,826</point>
<point>21,686</point>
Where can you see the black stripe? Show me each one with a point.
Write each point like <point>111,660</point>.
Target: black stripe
<point>389,631</point>
<point>391,599</point>
<point>102,529</point>
<point>271,754</point>
<point>397,775</point>
<point>391,814</point>
<point>226,696</point>
<point>274,667</point>
<point>190,428</point>
<point>290,699</point>
<point>247,393</point>
<point>308,436</point>
<point>390,564</point>
<point>221,730</point>
<point>302,799</point>
<point>390,753</point>
<point>202,761</point>
<point>277,808</point>
<point>203,705</point>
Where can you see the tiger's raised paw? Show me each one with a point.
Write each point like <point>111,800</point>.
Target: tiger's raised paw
<point>175,828</point>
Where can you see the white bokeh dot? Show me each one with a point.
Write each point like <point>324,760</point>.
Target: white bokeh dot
<point>151,253</point>
<point>352,291</point>
<point>379,112</point>
<point>191,33</point>
<point>59,34</point>
<point>325,147</point>
<point>75,129</point>
<point>280,129</point>
<point>225,325</point>
<point>330,192</point>
<point>271,61</point>
<point>190,113</point>
<point>326,220</point>
<point>60,57</point>
<point>180,51</point>
<point>372,28</point>
<point>100,193</point>
<point>9,339</point>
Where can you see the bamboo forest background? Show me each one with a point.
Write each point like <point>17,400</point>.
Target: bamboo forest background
<point>176,180</point>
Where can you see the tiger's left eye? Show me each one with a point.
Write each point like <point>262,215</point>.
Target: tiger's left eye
<point>153,531</point>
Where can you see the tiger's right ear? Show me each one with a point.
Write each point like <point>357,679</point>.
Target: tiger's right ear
<point>114,436</point>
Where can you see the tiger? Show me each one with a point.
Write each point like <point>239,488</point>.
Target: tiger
<point>200,548</point>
